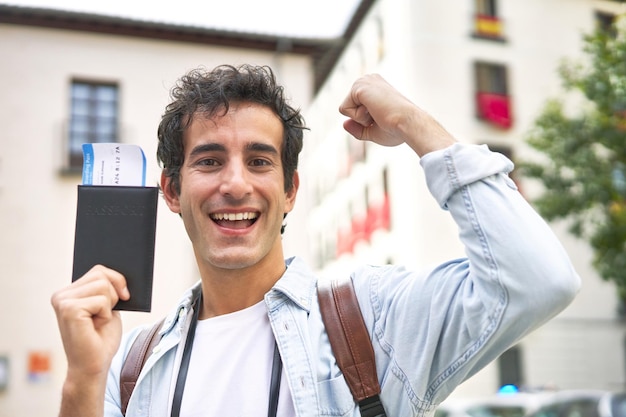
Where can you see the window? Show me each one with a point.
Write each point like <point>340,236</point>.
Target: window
<point>487,24</point>
<point>378,206</point>
<point>357,150</point>
<point>367,213</point>
<point>491,78</point>
<point>492,97</point>
<point>510,367</point>
<point>584,407</point>
<point>618,404</point>
<point>508,152</point>
<point>381,39</point>
<point>492,410</point>
<point>93,118</point>
<point>486,7</point>
<point>550,410</point>
<point>605,22</point>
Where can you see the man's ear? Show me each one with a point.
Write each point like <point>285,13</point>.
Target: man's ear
<point>169,194</point>
<point>290,195</point>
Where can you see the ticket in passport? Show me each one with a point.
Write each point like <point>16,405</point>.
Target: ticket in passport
<point>116,164</point>
<point>116,219</point>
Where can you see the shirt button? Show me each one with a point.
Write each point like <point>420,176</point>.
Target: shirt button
<point>156,349</point>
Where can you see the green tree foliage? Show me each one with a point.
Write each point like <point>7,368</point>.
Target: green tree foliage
<point>584,172</point>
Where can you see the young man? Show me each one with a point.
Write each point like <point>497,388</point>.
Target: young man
<point>229,145</point>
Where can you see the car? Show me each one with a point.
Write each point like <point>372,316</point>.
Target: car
<point>613,405</point>
<point>507,404</point>
<point>571,403</point>
<point>583,403</point>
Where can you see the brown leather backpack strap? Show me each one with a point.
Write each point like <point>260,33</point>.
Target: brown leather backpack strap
<point>350,342</point>
<point>135,360</point>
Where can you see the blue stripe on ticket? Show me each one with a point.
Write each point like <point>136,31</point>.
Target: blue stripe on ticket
<point>87,164</point>
<point>143,174</point>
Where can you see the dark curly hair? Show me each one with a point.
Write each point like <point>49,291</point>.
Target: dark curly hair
<point>209,92</point>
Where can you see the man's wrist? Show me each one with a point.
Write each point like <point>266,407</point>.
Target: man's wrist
<point>424,134</point>
<point>81,397</point>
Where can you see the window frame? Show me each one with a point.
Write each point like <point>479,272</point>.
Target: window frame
<point>487,24</point>
<point>93,117</point>
<point>491,83</point>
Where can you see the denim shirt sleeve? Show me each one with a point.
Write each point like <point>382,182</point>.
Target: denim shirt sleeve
<point>434,329</point>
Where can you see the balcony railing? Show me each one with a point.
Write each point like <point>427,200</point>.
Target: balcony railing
<point>490,27</point>
<point>495,109</point>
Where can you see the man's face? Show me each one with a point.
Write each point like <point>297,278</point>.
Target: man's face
<point>232,196</point>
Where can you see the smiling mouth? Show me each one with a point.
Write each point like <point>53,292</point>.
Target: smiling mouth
<point>235,220</point>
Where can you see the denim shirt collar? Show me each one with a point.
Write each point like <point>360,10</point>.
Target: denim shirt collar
<point>298,284</point>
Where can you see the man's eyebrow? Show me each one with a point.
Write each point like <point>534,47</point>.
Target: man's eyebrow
<point>262,147</point>
<point>207,147</point>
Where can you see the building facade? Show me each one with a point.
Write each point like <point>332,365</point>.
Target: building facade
<point>481,67</point>
<point>484,69</point>
<point>67,78</point>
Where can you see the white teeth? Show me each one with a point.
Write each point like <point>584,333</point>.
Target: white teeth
<point>234,216</point>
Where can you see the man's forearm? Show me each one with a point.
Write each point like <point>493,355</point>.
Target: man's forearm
<point>82,399</point>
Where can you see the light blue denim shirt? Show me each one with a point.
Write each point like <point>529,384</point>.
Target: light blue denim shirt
<point>430,330</point>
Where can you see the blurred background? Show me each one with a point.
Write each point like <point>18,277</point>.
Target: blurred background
<point>73,73</point>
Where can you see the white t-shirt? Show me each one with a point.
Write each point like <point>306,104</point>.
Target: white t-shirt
<point>231,366</point>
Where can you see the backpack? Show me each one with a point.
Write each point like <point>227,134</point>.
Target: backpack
<point>348,337</point>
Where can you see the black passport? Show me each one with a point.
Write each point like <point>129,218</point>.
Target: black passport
<point>116,227</point>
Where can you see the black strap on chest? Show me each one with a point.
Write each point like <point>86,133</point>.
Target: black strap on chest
<point>184,367</point>
<point>184,363</point>
<point>348,337</point>
<point>148,339</point>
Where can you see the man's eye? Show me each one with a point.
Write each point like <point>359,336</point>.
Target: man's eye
<point>207,162</point>
<point>260,162</point>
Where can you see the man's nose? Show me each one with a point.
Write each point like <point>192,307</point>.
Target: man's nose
<point>236,181</point>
